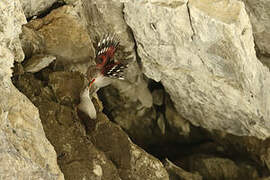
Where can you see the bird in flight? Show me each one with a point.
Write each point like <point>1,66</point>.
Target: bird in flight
<point>106,68</point>
<point>103,73</point>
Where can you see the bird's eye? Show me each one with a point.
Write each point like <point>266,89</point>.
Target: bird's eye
<point>91,82</point>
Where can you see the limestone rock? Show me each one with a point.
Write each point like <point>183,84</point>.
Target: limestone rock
<point>203,53</point>
<point>25,151</point>
<point>32,42</point>
<point>256,149</point>
<point>265,60</point>
<point>38,62</point>
<point>104,17</point>
<point>176,172</point>
<point>260,19</point>
<point>220,168</point>
<point>132,161</point>
<point>146,126</point>
<point>98,150</point>
<point>77,157</point>
<point>65,37</point>
<point>67,86</point>
<point>12,18</point>
<point>35,7</point>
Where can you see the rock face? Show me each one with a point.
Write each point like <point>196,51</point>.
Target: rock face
<point>190,61</point>
<point>104,17</point>
<point>130,102</point>
<point>24,150</point>
<point>32,8</point>
<point>70,44</point>
<point>222,169</point>
<point>147,126</point>
<point>86,148</point>
<point>260,19</point>
<point>176,172</point>
<point>214,79</point>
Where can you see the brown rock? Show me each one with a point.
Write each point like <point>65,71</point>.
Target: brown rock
<point>67,86</point>
<point>25,152</point>
<point>32,42</point>
<point>105,153</point>
<point>132,162</point>
<point>220,168</point>
<point>177,173</point>
<point>64,36</point>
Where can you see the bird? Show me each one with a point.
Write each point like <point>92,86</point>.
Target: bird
<point>107,68</point>
<point>103,73</point>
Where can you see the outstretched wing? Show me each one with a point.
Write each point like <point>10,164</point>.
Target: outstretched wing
<point>106,50</point>
<point>114,70</point>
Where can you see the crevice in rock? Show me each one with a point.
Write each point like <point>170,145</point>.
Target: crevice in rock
<point>189,16</point>
<point>263,57</point>
<point>138,58</point>
<point>62,126</point>
<point>195,147</point>
<point>200,144</point>
<point>55,5</point>
<point>79,140</point>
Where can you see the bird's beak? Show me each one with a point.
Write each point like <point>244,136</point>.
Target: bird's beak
<point>91,82</point>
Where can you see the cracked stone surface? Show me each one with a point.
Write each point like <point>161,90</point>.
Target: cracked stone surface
<point>223,169</point>
<point>104,17</point>
<point>25,151</point>
<point>176,172</point>
<point>260,19</point>
<point>86,148</point>
<point>70,45</point>
<point>199,52</point>
<point>35,7</point>
<point>214,79</point>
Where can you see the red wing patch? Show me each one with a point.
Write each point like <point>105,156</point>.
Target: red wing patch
<point>106,50</point>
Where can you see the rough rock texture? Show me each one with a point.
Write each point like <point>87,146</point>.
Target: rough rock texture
<point>247,147</point>
<point>90,149</point>
<point>32,42</point>
<point>259,13</point>
<point>147,126</point>
<point>203,53</point>
<point>104,17</point>
<point>38,62</point>
<point>132,162</point>
<point>63,36</point>
<point>35,7</point>
<point>177,173</point>
<point>260,19</point>
<point>25,153</point>
<point>265,59</point>
<point>12,18</point>
<point>77,157</point>
<point>221,168</point>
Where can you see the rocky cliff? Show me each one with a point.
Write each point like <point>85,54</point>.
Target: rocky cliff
<point>195,103</point>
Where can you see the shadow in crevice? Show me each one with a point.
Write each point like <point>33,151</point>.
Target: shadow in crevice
<point>47,11</point>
